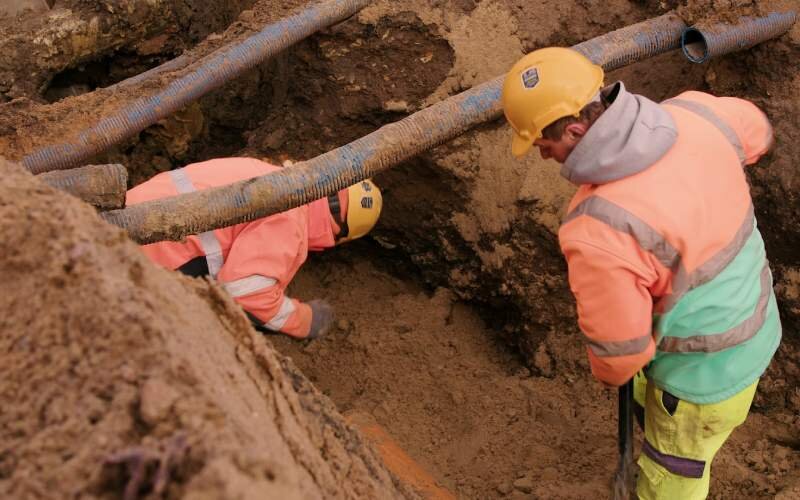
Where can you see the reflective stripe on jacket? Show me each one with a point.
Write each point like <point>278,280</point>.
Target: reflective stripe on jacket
<point>665,261</point>
<point>254,261</point>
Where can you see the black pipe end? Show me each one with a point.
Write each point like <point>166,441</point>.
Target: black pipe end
<point>694,45</point>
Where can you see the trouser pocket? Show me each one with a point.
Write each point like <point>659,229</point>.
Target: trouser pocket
<point>670,403</point>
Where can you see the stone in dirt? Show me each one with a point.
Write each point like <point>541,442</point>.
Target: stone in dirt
<point>524,484</point>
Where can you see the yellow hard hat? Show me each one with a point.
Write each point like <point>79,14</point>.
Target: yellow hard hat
<point>364,203</point>
<point>544,86</point>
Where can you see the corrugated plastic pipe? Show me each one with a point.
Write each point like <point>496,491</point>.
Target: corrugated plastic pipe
<point>103,186</point>
<point>223,66</point>
<point>176,217</point>
<point>704,41</point>
<point>171,65</point>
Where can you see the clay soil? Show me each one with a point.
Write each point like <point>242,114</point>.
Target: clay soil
<point>456,330</point>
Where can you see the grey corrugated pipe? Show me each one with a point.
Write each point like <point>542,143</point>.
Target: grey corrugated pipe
<point>221,67</point>
<point>171,65</point>
<point>192,213</point>
<point>704,41</point>
<point>103,186</point>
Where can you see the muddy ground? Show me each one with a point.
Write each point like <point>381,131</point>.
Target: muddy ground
<point>468,354</point>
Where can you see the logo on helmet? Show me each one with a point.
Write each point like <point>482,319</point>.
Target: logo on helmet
<point>366,186</point>
<point>366,202</point>
<point>530,78</point>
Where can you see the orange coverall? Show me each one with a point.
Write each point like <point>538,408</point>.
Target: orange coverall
<point>254,261</point>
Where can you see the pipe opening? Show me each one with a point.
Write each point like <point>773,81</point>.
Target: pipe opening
<point>694,45</point>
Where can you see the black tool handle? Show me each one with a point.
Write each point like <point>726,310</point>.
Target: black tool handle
<point>626,418</point>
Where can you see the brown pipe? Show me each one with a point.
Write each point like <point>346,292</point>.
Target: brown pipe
<point>103,186</point>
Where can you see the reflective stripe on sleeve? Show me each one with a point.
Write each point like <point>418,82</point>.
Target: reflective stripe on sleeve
<point>208,240</point>
<point>280,319</point>
<point>650,240</point>
<point>248,285</point>
<point>620,347</point>
<point>623,221</point>
<point>708,114</point>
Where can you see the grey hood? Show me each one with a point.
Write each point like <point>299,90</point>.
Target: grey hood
<point>632,134</point>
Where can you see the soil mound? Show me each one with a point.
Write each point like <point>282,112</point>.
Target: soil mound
<point>121,379</point>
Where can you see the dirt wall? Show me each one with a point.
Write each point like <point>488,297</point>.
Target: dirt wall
<point>438,378</point>
<point>467,215</point>
<point>65,48</point>
<point>121,380</point>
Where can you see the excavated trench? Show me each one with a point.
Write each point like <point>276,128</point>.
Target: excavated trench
<point>456,328</point>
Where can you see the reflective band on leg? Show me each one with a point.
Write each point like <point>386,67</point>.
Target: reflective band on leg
<point>248,285</point>
<point>208,240</point>
<point>705,112</point>
<point>685,467</point>
<point>276,323</point>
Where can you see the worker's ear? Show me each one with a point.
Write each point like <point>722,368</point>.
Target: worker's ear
<point>575,131</point>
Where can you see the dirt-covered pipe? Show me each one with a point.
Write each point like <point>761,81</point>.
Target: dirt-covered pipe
<point>701,42</point>
<point>223,66</point>
<point>103,186</point>
<point>177,217</point>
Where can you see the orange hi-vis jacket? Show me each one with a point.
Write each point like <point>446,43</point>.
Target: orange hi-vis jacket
<point>665,260</point>
<point>254,261</point>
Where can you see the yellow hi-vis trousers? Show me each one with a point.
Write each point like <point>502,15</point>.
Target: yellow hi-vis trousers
<point>681,439</point>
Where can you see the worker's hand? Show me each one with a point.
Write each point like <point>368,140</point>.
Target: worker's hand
<point>321,318</point>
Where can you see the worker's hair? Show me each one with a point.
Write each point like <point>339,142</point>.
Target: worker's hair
<point>589,114</point>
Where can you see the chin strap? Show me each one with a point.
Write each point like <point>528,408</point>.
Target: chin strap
<point>336,210</point>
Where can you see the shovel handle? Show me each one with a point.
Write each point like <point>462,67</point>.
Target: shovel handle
<point>626,419</point>
<point>623,479</point>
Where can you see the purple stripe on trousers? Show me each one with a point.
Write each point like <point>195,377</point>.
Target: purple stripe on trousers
<point>685,467</point>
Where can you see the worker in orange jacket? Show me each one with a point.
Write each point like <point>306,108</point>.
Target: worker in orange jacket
<point>255,261</point>
<point>665,259</point>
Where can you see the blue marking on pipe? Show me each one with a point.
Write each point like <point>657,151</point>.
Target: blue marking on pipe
<point>482,101</point>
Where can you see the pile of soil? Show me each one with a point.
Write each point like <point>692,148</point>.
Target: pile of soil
<point>118,379</point>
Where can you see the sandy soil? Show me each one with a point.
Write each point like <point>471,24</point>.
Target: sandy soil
<point>468,353</point>
<point>121,380</point>
<point>464,404</point>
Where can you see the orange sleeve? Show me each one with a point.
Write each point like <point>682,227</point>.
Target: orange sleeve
<point>264,256</point>
<point>614,303</point>
<point>271,308</point>
<point>751,125</point>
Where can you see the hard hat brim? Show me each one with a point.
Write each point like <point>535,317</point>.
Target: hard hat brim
<point>520,145</point>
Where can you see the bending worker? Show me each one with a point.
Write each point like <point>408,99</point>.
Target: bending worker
<point>665,260</point>
<point>255,261</point>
